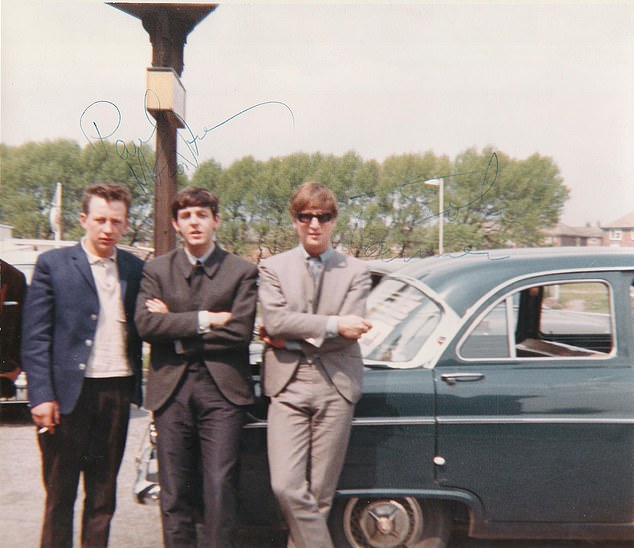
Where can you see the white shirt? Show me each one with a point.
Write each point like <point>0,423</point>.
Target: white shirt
<point>108,355</point>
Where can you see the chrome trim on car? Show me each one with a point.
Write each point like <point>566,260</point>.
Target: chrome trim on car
<point>367,421</point>
<point>534,420</point>
<point>392,421</point>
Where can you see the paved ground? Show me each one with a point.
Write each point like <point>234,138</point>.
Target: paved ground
<point>134,525</point>
<point>22,498</point>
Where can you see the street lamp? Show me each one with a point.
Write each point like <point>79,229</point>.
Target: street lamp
<point>441,206</point>
<point>168,26</point>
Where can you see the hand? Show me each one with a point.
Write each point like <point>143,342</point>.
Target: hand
<point>217,319</point>
<point>275,342</point>
<point>352,327</point>
<point>156,306</point>
<point>11,375</point>
<point>46,415</point>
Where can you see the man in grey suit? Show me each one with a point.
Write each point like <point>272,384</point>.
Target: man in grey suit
<point>313,305</point>
<point>197,309</point>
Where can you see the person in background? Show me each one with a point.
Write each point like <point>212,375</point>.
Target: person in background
<point>197,309</point>
<point>82,356</point>
<point>313,301</point>
<point>12,290</point>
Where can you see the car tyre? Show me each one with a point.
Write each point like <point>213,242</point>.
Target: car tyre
<point>389,523</point>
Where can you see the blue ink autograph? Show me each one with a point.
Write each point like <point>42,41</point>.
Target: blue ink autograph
<point>134,154</point>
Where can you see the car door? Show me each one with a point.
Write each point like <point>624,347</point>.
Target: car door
<point>535,405</point>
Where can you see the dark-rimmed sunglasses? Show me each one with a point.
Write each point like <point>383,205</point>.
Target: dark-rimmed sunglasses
<point>306,218</point>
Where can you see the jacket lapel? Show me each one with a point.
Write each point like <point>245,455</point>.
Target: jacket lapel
<point>80,259</point>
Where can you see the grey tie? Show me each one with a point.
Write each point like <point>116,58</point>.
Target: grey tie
<point>315,267</point>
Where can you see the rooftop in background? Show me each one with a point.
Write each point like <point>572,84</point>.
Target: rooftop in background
<point>624,222</point>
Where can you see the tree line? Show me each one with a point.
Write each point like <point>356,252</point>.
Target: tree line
<point>385,208</point>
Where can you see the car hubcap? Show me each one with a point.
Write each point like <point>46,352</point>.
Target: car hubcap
<point>383,523</point>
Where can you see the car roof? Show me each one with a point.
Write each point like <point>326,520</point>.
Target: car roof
<point>462,278</point>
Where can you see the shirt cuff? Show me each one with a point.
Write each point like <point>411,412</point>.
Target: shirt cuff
<point>331,327</point>
<point>178,346</point>
<point>203,322</point>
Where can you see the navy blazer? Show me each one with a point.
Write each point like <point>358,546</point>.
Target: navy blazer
<point>60,323</point>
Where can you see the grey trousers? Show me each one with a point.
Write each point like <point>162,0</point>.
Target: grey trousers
<point>308,430</point>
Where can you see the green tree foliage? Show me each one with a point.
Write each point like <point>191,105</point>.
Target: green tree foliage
<point>30,173</point>
<point>385,208</point>
<point>29,176</point>
<point>495,201</point>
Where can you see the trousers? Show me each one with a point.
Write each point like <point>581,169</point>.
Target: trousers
<point>308,431</point>
<point>198,437</point>
<point>89,440</point>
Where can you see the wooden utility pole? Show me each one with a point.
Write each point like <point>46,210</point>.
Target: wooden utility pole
<point>168,26</point>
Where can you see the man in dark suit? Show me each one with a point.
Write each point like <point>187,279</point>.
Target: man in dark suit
<point>197,309</point>
<point>82,356</point>
<point>313,302</point>
<point>12,288</point>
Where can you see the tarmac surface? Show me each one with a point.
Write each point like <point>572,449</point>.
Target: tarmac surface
<point>134,525</point>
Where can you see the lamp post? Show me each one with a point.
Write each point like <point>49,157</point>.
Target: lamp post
<point>441,209</point>
<point>168,26</point>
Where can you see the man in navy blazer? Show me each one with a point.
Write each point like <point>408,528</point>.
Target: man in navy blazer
<point>82,356</point>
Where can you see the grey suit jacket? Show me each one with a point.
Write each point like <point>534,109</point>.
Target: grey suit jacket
<point>285,294</point>
<point>230,285</point>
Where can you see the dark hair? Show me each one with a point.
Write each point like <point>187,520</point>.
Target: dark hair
<point>313,195</point>
<point>111,192</point>
<point>194,197</point>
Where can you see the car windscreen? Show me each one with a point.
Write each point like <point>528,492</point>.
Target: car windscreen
<point>402,317</point>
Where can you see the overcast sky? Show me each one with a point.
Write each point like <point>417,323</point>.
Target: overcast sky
<point>379,79</point>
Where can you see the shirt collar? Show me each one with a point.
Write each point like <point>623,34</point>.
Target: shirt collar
<point>95,259</point>
<point>203,258</point>
<point>323,257</point>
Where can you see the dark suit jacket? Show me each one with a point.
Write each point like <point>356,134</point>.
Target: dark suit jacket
<point>229,286</point>
<point>60,322</point>
<point>287,310</point>
<point>12,288</point>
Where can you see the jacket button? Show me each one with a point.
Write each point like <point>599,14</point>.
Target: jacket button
<point>93,317</point>
<point>88,342</point>
<point>82,366</point>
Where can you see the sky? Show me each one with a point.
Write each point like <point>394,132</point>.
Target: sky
<point>379,79</point>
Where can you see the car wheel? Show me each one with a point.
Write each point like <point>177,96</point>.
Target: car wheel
<point>389,523</point>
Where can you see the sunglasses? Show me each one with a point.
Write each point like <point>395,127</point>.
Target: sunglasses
<point>306,218</point>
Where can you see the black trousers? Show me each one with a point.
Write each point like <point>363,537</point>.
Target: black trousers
<point>198,436</point>
<point>91,440</point>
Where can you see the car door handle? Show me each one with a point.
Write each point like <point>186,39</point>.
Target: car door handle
<point>453,378</point>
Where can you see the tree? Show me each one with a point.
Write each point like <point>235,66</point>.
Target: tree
<point>503,201</point>
<point>385,209</point>
<point>408,205</point>
<point>29,176</point>
<point>30,173</point>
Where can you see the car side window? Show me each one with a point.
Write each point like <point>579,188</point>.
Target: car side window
<point>560,320</point>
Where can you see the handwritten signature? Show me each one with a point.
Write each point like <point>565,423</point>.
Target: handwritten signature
<point>101,120</point>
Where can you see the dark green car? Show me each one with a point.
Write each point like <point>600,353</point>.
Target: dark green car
<point>498,397</point>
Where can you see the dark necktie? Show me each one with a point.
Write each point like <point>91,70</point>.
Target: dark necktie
<point>196,279</point>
